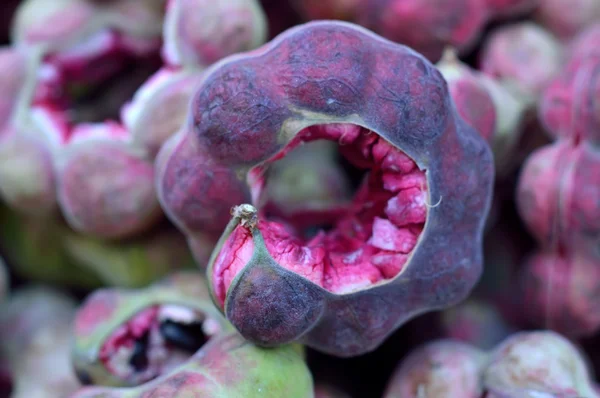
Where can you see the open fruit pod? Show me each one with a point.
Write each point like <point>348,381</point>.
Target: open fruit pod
<point>409,242</point>
<point>227,366</point>
<point>128,337</point>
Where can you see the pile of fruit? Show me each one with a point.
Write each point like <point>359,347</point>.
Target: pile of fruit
<point>300,198</point>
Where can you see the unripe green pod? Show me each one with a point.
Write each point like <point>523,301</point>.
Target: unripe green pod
<point>227,367</point>
<point>127,337</point>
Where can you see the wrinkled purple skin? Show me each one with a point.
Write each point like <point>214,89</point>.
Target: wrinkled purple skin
<point>328,72</point>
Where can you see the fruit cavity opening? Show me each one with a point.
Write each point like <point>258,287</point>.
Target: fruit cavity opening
<point>155,341</point>
<point>371,236</point>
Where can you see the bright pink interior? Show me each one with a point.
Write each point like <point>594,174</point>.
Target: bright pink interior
<point>124,338</point>
<point>370,240</point>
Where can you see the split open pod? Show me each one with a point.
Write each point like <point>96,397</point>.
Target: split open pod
<point>126,337</point>
<point>408,243</point>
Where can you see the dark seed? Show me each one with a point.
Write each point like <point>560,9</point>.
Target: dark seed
<point>83,376</point>
<point>139,357</point>
<point>189,337</point>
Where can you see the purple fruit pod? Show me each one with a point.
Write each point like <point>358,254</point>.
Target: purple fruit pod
<point>200,32</point>
<point>27,132</point>
<point>535,364</point>
<point>557,196</point>
<point>538,364</point>
<point>13,75</point>
<point>561,292</point>
<point>89,41</point>
<point>27,180</point>
<point>472,98</point>
<point>443,368</point>
<point>127,337</point>
<point>511,116</point>
<point>567,18</point>
<point>159,107</point>
<point>427,26</point>
<point>385,259</point>
<point>524,56</point>
<point>491,106</point>
<point>570,105</point>
<point>226,367</point>
<point>586,43</point>
<point>104,183</point>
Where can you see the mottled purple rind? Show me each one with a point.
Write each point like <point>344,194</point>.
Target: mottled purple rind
<point>280,306</point>
<point>196,192</point>
<point>249,106</point>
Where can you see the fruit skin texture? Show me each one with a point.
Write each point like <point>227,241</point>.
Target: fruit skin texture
<point>444,368</point>
<point>27,180</point>
<point>557,196</point>
<point>567,18</point>
<point>538,362</point>
<point>570,105</point>
<point>488,104</point>
<point>200,32</point>
<point>106,309</point>
<point>471,97</point>
<point>13,73</point>
<point>331,72</point>
<point>104,185</point>
<point>424,25</point>
<point>525,364</point>
<point>227,366</point>
<point>560,290</point>
<point>524,56</point>
<point>159,106</point>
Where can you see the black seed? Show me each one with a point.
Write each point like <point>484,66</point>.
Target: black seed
<point>83,376</point>
<point>139,357</point>
<point>189,337</point>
